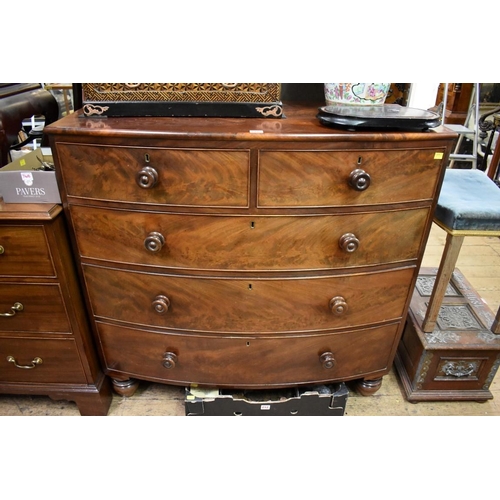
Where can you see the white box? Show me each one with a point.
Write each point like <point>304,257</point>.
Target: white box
<point>21,182</point>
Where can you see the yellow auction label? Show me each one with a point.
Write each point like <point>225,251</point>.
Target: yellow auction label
<point>438,156</point>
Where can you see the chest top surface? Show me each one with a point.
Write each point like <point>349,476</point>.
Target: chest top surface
<point>299,123</point>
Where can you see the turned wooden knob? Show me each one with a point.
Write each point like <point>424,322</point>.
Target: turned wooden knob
<point>154,241</point>
<point>327,360</point>
<point>146,178</point>
<point>338,306</point>
<point>348,242</point>
<point>161,304</point>
<point>359,179</point>
<point>169,360</point>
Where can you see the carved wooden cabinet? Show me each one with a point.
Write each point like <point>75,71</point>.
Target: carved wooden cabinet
<point>46,345</point>
<point>246,253</point>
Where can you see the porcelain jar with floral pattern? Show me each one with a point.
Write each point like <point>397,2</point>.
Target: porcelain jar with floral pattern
<point>356,93</point>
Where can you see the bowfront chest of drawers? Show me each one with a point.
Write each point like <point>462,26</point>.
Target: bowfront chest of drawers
<point>246,253</point>
<point>46,344</point>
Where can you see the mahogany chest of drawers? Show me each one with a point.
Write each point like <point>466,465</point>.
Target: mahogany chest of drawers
<point>246,253</point>
<point>46,345</point>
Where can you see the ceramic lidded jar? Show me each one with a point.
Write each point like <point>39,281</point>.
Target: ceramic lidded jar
<point>360,94</point>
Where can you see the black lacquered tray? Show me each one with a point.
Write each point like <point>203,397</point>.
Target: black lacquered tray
<point>385,116</point>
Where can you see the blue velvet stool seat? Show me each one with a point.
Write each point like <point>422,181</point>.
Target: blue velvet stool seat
<point>468,205</point>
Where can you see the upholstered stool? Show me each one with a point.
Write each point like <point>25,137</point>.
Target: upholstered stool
<point>449,349</point>
<point>468,205</point>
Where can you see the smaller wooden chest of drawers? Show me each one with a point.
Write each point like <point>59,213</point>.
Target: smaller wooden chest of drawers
<point>45,343</point>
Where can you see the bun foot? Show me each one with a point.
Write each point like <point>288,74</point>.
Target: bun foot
<point>125,388</point>
<point>368,387</point>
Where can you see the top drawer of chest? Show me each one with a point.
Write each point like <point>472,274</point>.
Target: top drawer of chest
<point>177,177</point>
<point>339,178</point>
<point>24,251</point>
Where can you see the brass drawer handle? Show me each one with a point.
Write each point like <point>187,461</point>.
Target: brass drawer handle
<point>2,250</point>
<point>161,304</point>
<point>36,361</point>
<point>338,306</point>
<point>169,360</point>
<point>17,307</point>
<point>359,179</point>
<point>147,178</point>
<point>348,242</point>
<point>327,360</point>
<point>154,241</point>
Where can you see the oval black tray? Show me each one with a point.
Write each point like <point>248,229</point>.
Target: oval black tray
<point>385,116</point>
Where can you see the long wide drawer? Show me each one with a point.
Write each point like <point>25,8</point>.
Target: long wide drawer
<point>185,177</point>
<point>32,308</point>
<point>40,361</point>
<point>248,361</point>
<point>266,243</point>
<point>236,305</point>
<point>335,178</point>
<point>24,251</point>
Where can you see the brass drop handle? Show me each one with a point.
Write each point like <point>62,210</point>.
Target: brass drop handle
<point>161,304</point>
<point>338,306</point>
<point>359,179</point>
<point>327,360</point>
<point>146,178</point>
<point>2,250</point>
<point>17,307</point>
<point>36,361</point>
<point>169,360</point>
<point>348,242</point>
<point>154,241</point>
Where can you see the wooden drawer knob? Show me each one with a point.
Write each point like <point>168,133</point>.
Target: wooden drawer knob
<point>161,304</point>
<point>348,242</point>
<point>359,179</point>
<point>146,178</point>
<point>338,306</point>
<point>327,360</point>
<point>154,241</point>
<point>169,360</point>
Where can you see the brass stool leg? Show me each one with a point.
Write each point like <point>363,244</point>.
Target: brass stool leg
<point>446,268</point>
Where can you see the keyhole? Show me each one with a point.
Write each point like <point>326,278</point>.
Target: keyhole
<point>360,159</point>
<point>146,158</point>
<point>250,286</point>
<point>252,225</point>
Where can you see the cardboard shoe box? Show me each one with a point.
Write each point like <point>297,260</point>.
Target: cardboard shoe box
<point>22,181</point>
